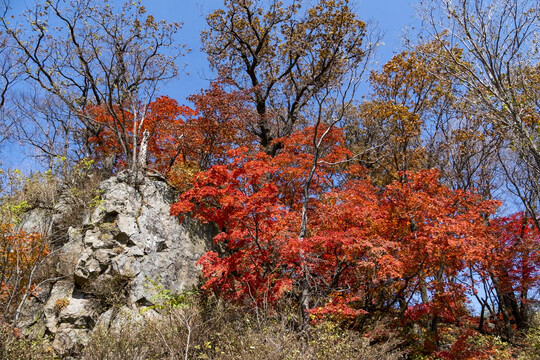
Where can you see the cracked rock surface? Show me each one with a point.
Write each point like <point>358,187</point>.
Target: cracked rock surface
<point>127,240</point>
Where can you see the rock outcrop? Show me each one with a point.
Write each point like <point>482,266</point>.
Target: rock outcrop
<point>127,242</point>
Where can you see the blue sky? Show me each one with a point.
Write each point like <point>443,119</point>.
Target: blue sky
<point>391,17</point>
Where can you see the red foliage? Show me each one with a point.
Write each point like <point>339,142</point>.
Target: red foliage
<point>514,257</point>
<point>466,348</point>
<point>246,208</point>
<point>182,141</point>
<point>163,119</point>
<point>220,124</point>
<point>365,248</point>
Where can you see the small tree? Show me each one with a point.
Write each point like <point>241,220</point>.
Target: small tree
<point>20,255</point>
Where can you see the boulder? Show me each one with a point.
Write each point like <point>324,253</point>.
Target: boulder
<point>127,242</point>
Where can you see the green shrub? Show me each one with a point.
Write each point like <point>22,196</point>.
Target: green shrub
<point>531,349</point>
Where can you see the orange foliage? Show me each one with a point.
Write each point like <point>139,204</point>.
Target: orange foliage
<point>19,254</point>
<point>182,141</point>
<point>365,248</point>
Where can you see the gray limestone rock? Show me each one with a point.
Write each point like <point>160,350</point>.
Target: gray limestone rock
<point>81,313</point>
<point>126,242</point>
<point>36,220</point>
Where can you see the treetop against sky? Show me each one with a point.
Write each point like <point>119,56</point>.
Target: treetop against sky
<point>392,17</point>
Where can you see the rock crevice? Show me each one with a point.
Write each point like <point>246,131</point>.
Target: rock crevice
<point>127,241</point>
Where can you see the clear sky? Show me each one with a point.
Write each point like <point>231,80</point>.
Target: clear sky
<point>391,17</point>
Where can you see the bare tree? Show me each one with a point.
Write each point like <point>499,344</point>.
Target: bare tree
<point>42,121</point>
<point>499,66</point>
<point>90,56</point>
<point>10,72</point>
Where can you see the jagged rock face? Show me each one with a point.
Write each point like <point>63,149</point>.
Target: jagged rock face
<point>125,243</point>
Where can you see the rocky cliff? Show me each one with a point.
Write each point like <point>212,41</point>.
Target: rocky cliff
<point>108,263</point>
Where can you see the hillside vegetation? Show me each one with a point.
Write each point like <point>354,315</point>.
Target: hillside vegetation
<point>402,224</point>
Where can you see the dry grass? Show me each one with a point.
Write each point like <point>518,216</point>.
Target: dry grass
<point>226,332</point>
<point>15,347</point>
<point>110,290</point>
